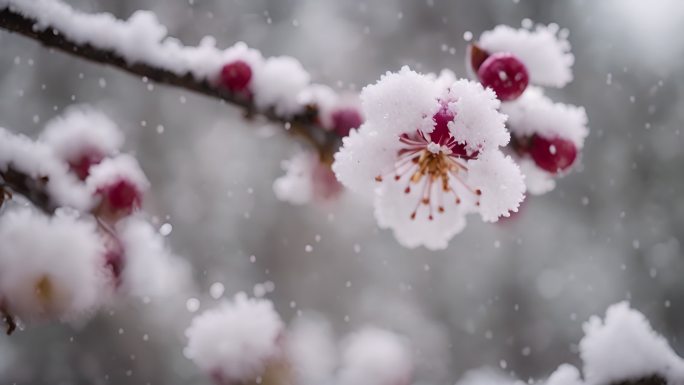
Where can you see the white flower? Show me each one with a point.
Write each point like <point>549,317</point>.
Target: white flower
<point>50,267</point>
<point>545,51</point>
<point>428,154</point>
<point>236,340</point>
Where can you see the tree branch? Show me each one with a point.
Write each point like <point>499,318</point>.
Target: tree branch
<point>32,189</point>
<point>304,124</point>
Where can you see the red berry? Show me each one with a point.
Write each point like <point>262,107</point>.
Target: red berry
<point>345,119</point>
<point>122,196</point>
<point>441,134</point>
<point>81,165</point>
<point>505,74</point>
<point>236,75</point>
<point>553,155</point>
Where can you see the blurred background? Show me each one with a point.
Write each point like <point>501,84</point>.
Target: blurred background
<point>512,295</point>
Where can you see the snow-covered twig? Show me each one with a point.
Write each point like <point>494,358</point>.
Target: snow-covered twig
<point>31,188</point>
<point>305,123</point>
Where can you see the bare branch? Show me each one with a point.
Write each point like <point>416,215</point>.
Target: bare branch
<point>303,125</point>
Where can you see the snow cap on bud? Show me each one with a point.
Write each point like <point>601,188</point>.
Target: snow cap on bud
<point>375,356</point>
<point>337,112</point>
<point>120,183</point>
<point>82,137</point>
<point>278,85</point>
<point>236,340</point>
<point>623,346</point>
<point>50,267</point>
<point>544,50</point>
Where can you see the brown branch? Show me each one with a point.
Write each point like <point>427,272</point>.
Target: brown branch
<point>303,124</point>
<point>33,189</point>
<point>652,380</point>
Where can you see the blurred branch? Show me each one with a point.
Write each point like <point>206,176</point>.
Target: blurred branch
<point>652,380</point>
<point>304,124</point>
<point>33,189</point>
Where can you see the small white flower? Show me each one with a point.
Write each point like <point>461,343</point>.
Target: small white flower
<point>428,154</point>
<point>236,340</point>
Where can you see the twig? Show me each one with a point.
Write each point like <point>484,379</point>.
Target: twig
<point>304,124</point>
<point>33,189</point>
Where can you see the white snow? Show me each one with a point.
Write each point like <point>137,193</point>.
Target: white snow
<point>79,130</point>
<point>478,124</point>
<point>544,50</point>
<point>534,113</point>
<point>623,346</point>
<point>538,181</point>
<point>37,160</point>
<point>373,356</point>
<point>401,102</point>
<point>279,84</point>
<point>111,170</point>
<point>50,267</point>
<point>306,179</point>
<point>236,339</point>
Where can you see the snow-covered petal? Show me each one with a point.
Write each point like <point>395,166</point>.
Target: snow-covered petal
<point>401,102</point>
<point>50,266</point>
<point>374,356</point>
<point>278,85</point>
<point>534,113</point>
<point>623,346</point>
<point>364,155</point>
<point>478,123</point>
<point>82,129</point>
<point>502,185</point>
<point>394,210</point>
<point>236,339</point>
<point>545,51</point>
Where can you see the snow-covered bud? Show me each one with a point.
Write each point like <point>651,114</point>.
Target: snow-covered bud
<point>236,341</point>
<point>120,184</point>
<point>50,267</point>
<point>544,51</point>
<point>235,76</point>
<point>505,74</point>
<point>374,356</point>
<point>547,136</point>
<point>82,137</point>
<point>623,347</point>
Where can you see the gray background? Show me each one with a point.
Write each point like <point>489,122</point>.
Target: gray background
<point>513,294</point>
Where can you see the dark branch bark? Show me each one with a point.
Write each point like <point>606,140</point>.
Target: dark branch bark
<point>304,124</point>
<point>652,380</point>
<point>33,189</point>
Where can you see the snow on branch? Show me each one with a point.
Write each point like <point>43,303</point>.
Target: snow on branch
<point>276,88</point>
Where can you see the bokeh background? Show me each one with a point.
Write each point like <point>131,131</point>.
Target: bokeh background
<point>511,296</point>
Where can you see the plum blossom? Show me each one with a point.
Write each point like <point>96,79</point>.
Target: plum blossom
<point>428,155</point>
